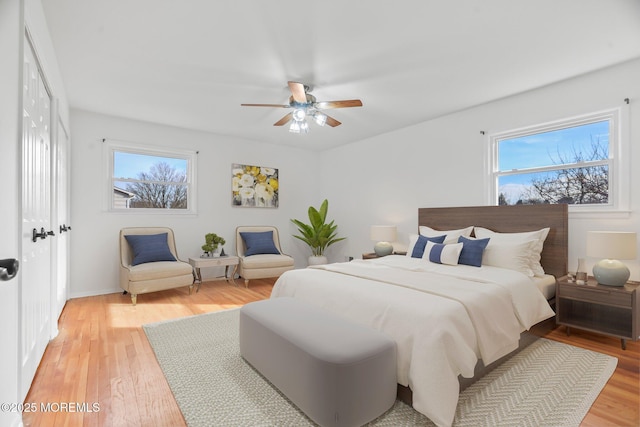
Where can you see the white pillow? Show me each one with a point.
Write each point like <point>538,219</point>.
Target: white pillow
<point>452,235</point>
<point>539,236</point>
<point>442,254</point>
<point>510,255</point>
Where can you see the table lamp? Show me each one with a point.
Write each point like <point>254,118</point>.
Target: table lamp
<point>383,235</point>
<point>611,246</point>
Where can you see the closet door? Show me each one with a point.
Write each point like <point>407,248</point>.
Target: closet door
<point>35,294</point>
<point>61,223</point>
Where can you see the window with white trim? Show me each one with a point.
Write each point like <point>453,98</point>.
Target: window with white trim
<point>144,179</point>
<point>570,161</point>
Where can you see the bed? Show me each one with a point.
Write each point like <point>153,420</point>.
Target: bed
<point>444,318</point>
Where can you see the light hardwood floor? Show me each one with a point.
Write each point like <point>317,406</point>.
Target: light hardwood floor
<point>102,356</point>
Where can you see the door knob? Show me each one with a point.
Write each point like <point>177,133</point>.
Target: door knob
<point>42,234</point>
<point>8,268</point>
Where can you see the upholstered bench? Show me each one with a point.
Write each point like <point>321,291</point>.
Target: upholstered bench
<point>337,372</point>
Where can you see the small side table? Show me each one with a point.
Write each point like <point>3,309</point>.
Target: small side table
<point>226,261</point>
<point>608,310</point>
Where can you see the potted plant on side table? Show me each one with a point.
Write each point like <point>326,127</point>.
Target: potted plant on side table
<point>210,247</point>
<point>318,234</point>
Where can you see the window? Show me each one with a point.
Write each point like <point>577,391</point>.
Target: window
<point>571,161</point>
<point>147,180</point>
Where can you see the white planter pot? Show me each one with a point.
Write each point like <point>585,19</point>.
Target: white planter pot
<point>318,260</point>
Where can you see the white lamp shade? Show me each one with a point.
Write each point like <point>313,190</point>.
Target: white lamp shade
<point>383,233</point>
<point>612,244</point>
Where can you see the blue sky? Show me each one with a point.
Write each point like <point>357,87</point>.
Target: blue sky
<point>127,165</point>
<point>546,149</point>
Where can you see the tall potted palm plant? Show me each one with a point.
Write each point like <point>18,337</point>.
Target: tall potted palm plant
<point>318,234</point>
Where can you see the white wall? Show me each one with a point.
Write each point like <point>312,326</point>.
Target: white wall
<point>94,252</point>
<point>385,179</point>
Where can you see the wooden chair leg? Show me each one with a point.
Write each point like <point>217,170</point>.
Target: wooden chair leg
<point>134,299</point>
<point>246,283</point>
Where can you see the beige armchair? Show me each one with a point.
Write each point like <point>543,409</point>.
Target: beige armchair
<point>149,261</point>
<point>258,248</point>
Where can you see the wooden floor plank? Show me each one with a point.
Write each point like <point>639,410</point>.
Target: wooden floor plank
<point>102,356</point>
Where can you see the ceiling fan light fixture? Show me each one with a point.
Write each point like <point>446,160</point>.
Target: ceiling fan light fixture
<point>299,114</point>
<point>320,119</point>
<point>305,105</point>
<point>294,127</point>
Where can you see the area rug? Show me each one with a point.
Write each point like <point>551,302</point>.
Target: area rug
<point>546,384</point>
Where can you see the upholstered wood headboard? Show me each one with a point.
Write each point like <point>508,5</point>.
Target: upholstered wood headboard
<point>510,219</point>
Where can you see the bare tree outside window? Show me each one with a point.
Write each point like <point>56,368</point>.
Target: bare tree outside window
<point>565,165</point>
<point>162,187</point>
<point>575,185</point>
<point>144,179</point>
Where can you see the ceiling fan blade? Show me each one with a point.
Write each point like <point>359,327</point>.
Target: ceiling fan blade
<point>297,90</point>
<point>332,122</point>
<point>283,121</point>
<point>266,105</point>
<point>339,104</point>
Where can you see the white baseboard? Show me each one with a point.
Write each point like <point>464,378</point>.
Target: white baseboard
<point>94,293</point>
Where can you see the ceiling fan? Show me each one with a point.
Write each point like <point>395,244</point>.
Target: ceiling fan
<point>305,105</point>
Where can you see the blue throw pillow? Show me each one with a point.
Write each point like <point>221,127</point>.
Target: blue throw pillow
<point>421,243</point>
<point>149,248</point>
<point>257,243</point>
<point>472,250</point>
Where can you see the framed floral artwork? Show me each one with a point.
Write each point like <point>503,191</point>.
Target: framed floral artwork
<point>254,186</point>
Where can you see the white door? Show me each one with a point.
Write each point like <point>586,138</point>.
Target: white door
<point>35,295</point>
<point>62,225</point>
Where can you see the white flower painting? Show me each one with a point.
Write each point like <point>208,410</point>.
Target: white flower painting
<point>254,186</point>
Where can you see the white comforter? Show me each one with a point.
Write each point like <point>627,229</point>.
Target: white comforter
<point>442,318</point>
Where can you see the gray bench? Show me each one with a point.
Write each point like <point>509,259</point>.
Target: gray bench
<point>337,372</point>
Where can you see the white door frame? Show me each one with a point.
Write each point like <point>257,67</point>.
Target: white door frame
<point>11,40</point>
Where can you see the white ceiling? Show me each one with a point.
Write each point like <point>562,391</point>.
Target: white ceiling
<point>191,63</point>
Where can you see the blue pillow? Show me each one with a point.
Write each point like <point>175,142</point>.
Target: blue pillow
<point>257,243</point>
<point>472,250</point>
<point>421,243</point>
<point>149,248</point>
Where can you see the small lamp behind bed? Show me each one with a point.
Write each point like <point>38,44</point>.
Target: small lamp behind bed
<point>383,235</point>
<point>612,246</point>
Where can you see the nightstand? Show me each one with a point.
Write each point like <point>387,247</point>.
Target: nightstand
<point>609,310</point>
<point>372,255</point>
